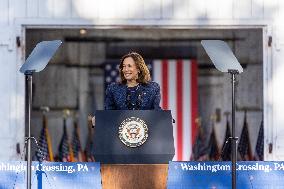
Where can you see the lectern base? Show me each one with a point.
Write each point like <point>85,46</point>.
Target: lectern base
<point>130,176</point>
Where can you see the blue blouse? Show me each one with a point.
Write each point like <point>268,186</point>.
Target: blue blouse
<point>142,97</point>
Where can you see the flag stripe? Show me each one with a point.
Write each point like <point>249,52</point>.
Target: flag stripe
<point>194,96</point>
<point>165,84</point>
<point>186,110</point>
<point>179,99</point>
<point>157,75</point>
<point>172,100</point>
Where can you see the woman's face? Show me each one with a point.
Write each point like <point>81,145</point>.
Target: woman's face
<point>129,69</point>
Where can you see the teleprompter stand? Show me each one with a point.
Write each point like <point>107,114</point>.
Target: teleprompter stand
<point>36,62</point>
<point>225,61</point>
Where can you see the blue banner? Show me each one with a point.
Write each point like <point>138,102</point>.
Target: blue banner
<point>217,175</point>
<point>52,175</point>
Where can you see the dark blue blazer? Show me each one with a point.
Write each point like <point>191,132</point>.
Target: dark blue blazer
<point>116,95</point>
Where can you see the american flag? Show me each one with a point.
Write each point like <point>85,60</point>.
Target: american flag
<point>244,142</point>
<point>200,148</point>
<point>258,154</point>
<point>111,71</point>
<point>213,146</point>
<point>76,144</point>
<point>65,152</point>
<point>178,82</point>
<point>44,150</point>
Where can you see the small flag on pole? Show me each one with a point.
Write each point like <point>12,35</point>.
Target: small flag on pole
<point>213,145</point>
<point>199,151</point>
<point>76,144</point>
<point>65,152</point>
<point>244,142</point>
<point>258,154</point>
<point>44,151</point>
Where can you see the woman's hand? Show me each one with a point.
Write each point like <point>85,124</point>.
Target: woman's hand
<point>93,119</point>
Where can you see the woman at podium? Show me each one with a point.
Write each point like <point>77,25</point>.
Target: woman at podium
<point>135,91</point>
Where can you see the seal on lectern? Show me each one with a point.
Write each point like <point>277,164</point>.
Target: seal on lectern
<point>133,132</point>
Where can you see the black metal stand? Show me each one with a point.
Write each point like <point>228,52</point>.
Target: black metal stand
<point>225,61</point>
<point>234,138</point>
<point>29,78</point>
<point>36,62</point>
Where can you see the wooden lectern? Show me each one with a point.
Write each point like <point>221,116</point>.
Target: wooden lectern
<point>127,167</point>
<point>134,176</point>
